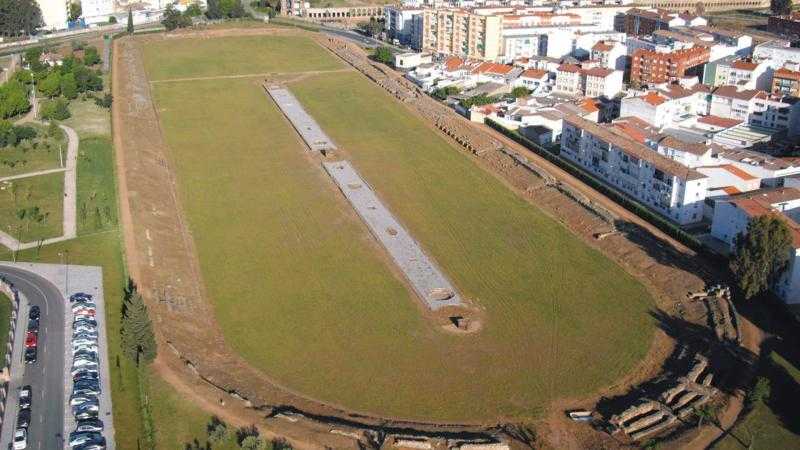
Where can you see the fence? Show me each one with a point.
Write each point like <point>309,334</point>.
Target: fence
<point>8,289</point>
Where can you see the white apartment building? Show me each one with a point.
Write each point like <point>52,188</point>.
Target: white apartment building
<point>776,53</point>
<point>756,108</point>
<point>610,54</point>
<point>669,188</point>
<point>97,11</point>
<point>536,80</point>
<point>739,72</point>
<point>573,80</point>
<point>668,105</point>
<point>732,216</point>
<point>54,14</point>
<point>399,24</point>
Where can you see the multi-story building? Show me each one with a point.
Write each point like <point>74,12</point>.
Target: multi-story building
<point>643,22</point>
<point>786,82</point>
<point>666,186</point>
<point>755,107</point>
<point>665,107</point>
<point>610,54</point>
<point>649,66</point>
<point>54,13</point>
<point>777,53</point>
<point>574,80</point>
<point>461,33</point>
<point>97,11</point>
<point>735,71</point>
<point>732,216</point>
<point>399,24</point>
<point>784,25</point>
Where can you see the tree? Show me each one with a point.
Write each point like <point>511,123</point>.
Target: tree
<point>705,414</point>
<point>57,109</point>
<point>444,92</point>
<point>520,91</point>
<point>383,54</point>
<point>91,56</point>
<point>174,19</point>
<point>13,99</point>
<point>780,7</point>
<point>217,430</point>
<point>138,340</point>
<point>112,19</point>
<point>19,17</point>
<point>253,443</point>
<point>69,87</point>
<point>105,101</point>
<point>762,254</point>
<point>760,392</point>
<point>75,11</point>
<point>193,10</point>
<point>375,27</point>
<point>213,10</point>
<point>130,22</point>
<point>50,86</point>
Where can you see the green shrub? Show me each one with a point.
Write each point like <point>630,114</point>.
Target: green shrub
<point>55,109</point>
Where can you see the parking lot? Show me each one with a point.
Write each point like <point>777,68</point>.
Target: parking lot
<point>50,377</point>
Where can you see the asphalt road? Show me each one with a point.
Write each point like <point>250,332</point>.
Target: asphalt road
<point>46,376</point>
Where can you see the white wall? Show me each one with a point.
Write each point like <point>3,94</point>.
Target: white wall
<point>729,221</point>
<point>54,14</point>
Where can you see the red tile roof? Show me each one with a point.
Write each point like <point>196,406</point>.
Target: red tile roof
<point>493,68</point>
<point>453,64</point>
<point>730,91</point>
<point>654,98</point>
<point>738,172</point>
<point>534,73</point>
<point>744,65</point>
<point>573,68</point>
<point>599,72</point>
<point>601,46</point>
<point>787,74</point>
<point>717,121</point>
<point>731,190</point>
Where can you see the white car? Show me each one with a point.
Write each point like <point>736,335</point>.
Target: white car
<point>91,348</point>
<point>80,342</point>
<point>20,439</point>
<point>88,367</point>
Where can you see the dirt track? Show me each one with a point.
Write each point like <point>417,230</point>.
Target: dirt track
<point>162,259</point>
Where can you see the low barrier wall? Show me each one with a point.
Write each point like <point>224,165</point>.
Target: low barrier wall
<point>8,289</point>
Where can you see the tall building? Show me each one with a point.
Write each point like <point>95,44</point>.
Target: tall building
<point>786,82</point>
<point>649,66</point>
<point>461,33</point>
<point>399,24</point>
<point>54,14</point>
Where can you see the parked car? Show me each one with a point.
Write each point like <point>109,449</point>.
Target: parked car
<point>25,396</point>
<point>24,418</point>
<point>31,339</point>
<point>89,425</point>
<point>78,400</point>
<point>77,306</point>
<point>80,297</point>
<point>84,321</point>
<point>86,411</point>
<point>33,325</point>
<point>86,392</point>
<point>80,328</point>
<point>81,438</point>
<point>83,354</point>
<point>20,439</point>
<point>87,386</point>
<point>86,375</point>
<point>91,446</point>
<point>84,367</point>
<point>83,341</point>
<point>30,355</point>
<point>85,313</point>
<point>33,313</point>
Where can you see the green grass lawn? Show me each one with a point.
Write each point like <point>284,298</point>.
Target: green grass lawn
<point>40,153</point>
<point>184,58</point>
<point>5,322</point>
<point>44,192</point>
<point>305,294</point>
<point>88,119</point>
<point>772,424</point>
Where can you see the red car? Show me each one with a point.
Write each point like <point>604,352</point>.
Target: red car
<point>30,340</point>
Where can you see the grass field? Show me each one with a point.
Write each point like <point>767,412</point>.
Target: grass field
<point>20,197</point>
<point>24,157</point>
<point>184,58</point>
<point>312,300</point>
<point>5,322</point>
<point>771,424</point>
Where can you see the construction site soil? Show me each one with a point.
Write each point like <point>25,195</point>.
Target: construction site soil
<point>194,356</point>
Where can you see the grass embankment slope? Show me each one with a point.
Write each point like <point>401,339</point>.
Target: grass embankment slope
<point>303,292</point>
<point>5,322</point>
